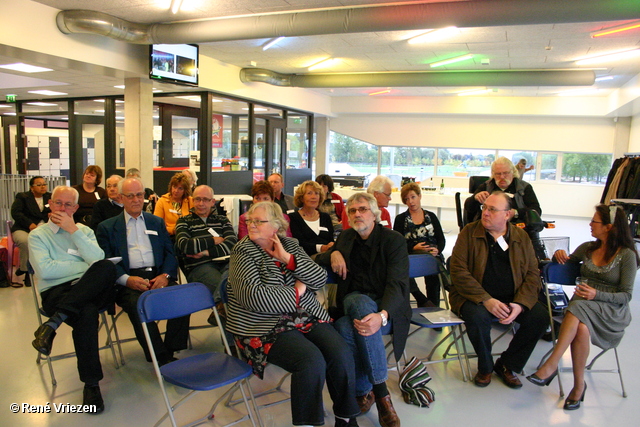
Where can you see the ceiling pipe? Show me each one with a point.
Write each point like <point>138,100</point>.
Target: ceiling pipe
<point>418,79</point>
<point>415,16</point>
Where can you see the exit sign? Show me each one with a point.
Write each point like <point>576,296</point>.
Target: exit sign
<point>11,98</point>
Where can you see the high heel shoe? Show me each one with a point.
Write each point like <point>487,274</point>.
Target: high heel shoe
<point>540,381</point>
<point>570,405</point>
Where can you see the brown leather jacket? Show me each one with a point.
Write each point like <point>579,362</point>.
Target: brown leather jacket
<point>469,259</point>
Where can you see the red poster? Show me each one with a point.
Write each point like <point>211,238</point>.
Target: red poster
<point>216,130</point>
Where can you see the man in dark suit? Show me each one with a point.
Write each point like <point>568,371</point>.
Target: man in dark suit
<point>109,206</point>
<point>148,262</point>
<point>28,210</point>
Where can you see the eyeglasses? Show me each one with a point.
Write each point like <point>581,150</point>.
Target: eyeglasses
<point>361,209</point>
<point>500,174</point>
<point>202,199</point>
<point>132,196</point>
<point>39,185</point>
<point>58,204</point>
<point>112,185</point>
<point>386,194</point>
<point>493,210</point>
<point>595,222</point>
<point>255,222</point>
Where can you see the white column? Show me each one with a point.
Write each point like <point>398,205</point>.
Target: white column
<point>138,127</point>
<point>322,144</point>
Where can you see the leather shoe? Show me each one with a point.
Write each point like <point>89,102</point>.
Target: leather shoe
<point>342,423</point>
<point>44,339</point>
<point>386,413</point>
<point>91,396</point>
<point>365,402</point>
<point>508,377</point>
<point>482,380</point>
<point>542,381</point>
<point>570,405</point>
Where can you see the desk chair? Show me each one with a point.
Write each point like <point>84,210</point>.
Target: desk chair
<point>565,274</point>
<point>109,328</point>
<point>201,372</point>
<point>10,254</point>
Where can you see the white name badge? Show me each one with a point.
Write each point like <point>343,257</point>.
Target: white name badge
<point>152,232</point>
<point>47,205</point>
<point>384,222</point>
<point>290,211</point>
<point>73,252</point>
<point>97,195</point>
<point>503,243</point>
<point>335,201</point>
<point>174,211</point>
<point>146,201</point>
<point>323,229</point>
<point>213,232</point>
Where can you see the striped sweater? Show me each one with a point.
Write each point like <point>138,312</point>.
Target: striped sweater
<point>260,291</point>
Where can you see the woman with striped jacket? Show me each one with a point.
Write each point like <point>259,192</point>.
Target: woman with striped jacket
<point>275,317</point>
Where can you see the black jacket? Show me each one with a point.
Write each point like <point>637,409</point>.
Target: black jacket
<point>25,211</point>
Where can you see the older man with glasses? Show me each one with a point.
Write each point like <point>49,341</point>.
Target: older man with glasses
<point>496,279</point>
<point>380,188</point>
<point>372,265</point>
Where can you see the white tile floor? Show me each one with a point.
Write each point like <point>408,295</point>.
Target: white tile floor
<point>132,395</point>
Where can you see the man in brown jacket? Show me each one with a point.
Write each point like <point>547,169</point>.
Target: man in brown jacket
<point>496,279</point>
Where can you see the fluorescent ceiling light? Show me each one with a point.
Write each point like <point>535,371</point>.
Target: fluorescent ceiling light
<point>216,100</point>
<point>451,60</point>
<point>474,92</point>
<point>433,35</point>
<point>47,92</point>
<point>175,6</point>
<point>42,104</point>
<point>9,114</point>
<point>25,68</point>
<point>256,109</point>
<point>606,57</point>
<point>614,30</point>
<point>579,92</point>
<point>194,98</point>
<point>323,64</point>
<point>603,78</point>
<point>381,92</point>
<point>154,90</point>
<point>119,87</point>
<point>273,42</point>
<point>5,106</point>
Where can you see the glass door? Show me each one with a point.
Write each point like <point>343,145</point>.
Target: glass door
<point>179,136</point>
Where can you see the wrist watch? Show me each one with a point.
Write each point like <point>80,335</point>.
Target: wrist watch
<point>167,276</point>
<point>384,318</point>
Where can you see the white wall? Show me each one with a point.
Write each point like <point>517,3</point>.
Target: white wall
<point>634,138</point>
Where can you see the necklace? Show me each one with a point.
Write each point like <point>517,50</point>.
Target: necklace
<point>309,216</point>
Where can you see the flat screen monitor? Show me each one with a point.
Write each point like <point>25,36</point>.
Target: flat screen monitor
<point>174,63</point>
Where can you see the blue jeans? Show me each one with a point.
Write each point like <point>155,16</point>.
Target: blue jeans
<point>369,353</point>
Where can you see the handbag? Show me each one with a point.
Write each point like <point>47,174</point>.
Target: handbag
<point>413,384</point>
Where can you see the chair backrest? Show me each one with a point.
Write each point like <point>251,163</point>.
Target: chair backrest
<point>174,301</point>
<point>421,265</point>
<point>459,215</point>
<point>475,181</point>
<point>222,288</point>
<point>561,274</point>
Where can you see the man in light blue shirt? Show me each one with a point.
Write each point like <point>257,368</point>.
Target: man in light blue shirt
<point>74,282</point>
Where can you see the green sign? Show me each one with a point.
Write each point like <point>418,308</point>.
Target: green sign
<point>11,98</point>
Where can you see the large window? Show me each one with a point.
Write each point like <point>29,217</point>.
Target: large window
<point>529,157</point>
<point>350,156</point>
<point>414,162</point>
<point>584,168</point>
<point>461,162</point>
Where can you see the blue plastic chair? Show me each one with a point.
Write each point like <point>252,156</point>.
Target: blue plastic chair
<point>201,372</point>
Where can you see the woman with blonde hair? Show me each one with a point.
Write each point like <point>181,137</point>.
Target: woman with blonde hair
<point>176,203</point>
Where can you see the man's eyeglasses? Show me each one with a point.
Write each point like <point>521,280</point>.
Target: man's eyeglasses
<point>493,210</point>
<point>361,209</point>
<point>202,199</point>
<point>59,203</point>
<point>39,185</point>
<point>501,174</point>
<point>255,222</point>
<point>132,196</point>
<point>386,194</point>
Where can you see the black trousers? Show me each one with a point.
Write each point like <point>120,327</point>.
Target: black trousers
<point>176,335</point>
<point>82,302</point>
<point>311,358</point>
<point>477,319</point>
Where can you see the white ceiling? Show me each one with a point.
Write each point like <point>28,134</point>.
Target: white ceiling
<point>549,46</point>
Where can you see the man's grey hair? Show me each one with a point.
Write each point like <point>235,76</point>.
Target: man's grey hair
<point>506,162</point>
<point>121,183</point>
<point>361,196</point>
<point>274,215</point>
<point>115,176</point>
<point>133,172</point>
<point>378,183</point>
<point>207,187</point>
<point>59,188</point>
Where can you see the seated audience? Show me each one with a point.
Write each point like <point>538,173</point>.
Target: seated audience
<point>312,228</point>
<point>261,191</point>
<point>496,278</point>
<point>29,209</point>
<point>372,265</point>
<point>75,282</point>
<point>423,233</point>
<point>109,206</point>
<point>283,200</point>
<point>380,188</point>
<point>150,197</point>
<point>276,318</point>
<point>148,262</point>
<point>201,238</point>
<point>176,203</point>
<point>90,192</point>
<point>599,311</point>
<point>333,203</point>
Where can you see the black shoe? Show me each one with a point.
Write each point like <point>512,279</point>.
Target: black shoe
<point>165,360</point>
<point>540,381</point>
<point>20,272</point>
<point>44,339</point>
<point>570,405</point>
<point>91,396</point>
<point>342,423</point>
<point>27,280</point>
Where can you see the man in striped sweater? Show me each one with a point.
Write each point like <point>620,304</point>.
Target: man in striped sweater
<point>204,241</point>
